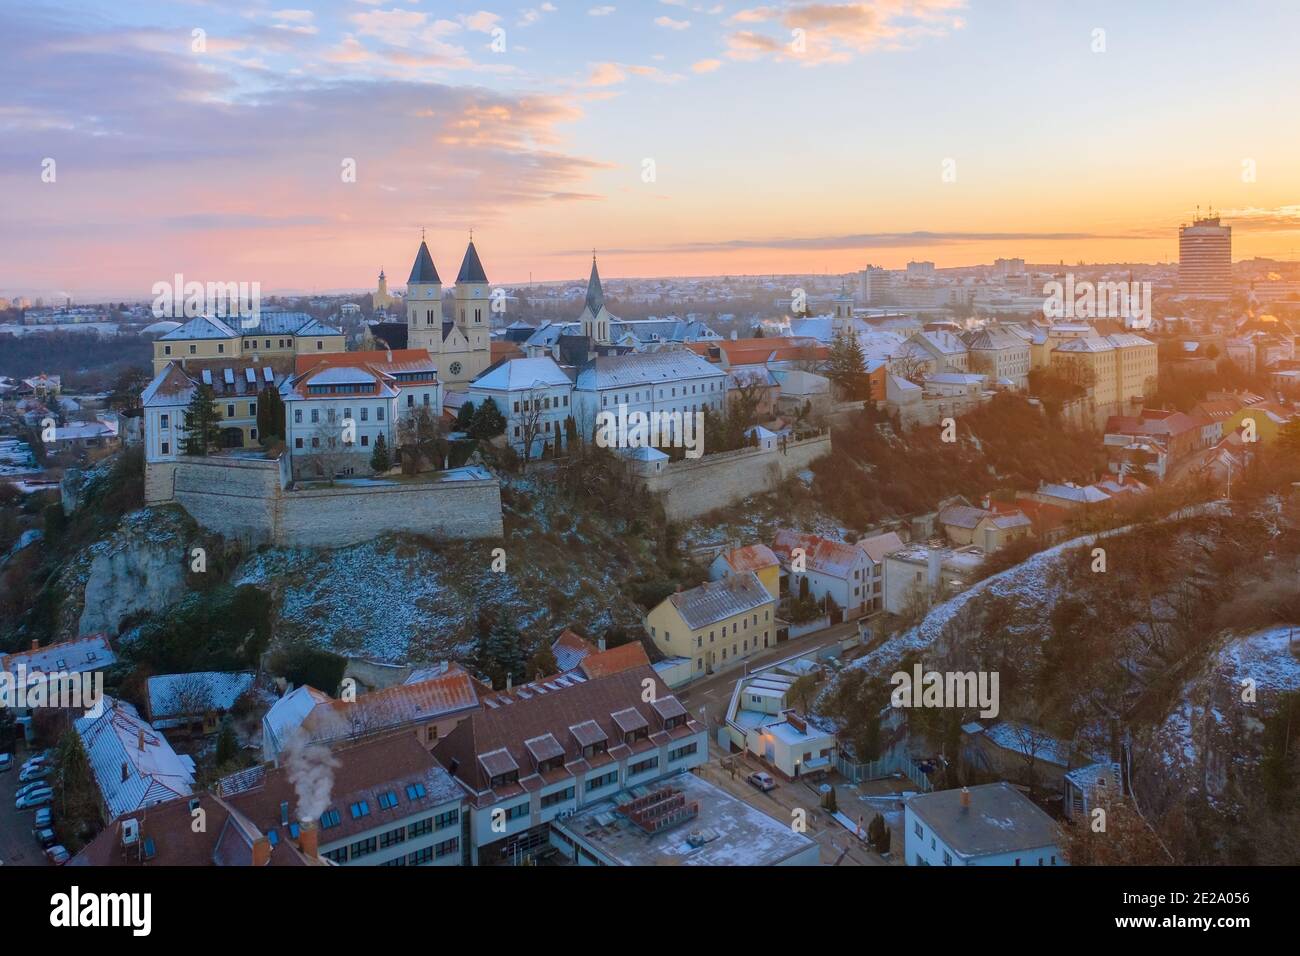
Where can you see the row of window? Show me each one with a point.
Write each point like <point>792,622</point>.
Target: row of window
<point>248,344</point>
<point>329,413</point>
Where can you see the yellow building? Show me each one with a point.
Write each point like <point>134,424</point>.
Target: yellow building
<point>272,335</point>
<point>382,300</point>
<point>717,624</point>
<point>1120,368</point>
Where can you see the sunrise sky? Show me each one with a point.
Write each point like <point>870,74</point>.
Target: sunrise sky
<point>225,163</point>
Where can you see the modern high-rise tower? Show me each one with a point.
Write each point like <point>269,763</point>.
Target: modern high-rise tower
<point>1205,259</point>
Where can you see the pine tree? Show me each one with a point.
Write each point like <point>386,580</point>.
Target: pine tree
<point>270,414</point>
<point>465,417</point>
<point>542,663</point>
<point>488,421</point>
<point>498,654</point>
<point>202,427</point>
<point>380,462</point>
<point>848,367</point>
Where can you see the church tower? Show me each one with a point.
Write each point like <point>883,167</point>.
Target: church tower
<point>595,317</point>
<point>473,314</point>
<point>424,304</point>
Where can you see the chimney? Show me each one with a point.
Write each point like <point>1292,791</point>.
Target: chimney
<point>139,743</point>
<point>601,643</point>
<point>510,681</point>
<point>965,800</point>
<point>36,645</point>
<point>309,838</point>
<point>261,851</point>
<point>986,502</point>
<point>932,559</point>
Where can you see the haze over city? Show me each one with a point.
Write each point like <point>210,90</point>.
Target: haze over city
<point>931,129</point>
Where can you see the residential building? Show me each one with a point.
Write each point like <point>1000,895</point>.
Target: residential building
<point>271,336</point>
<point>831,569</point>
<point>920,575</point>
<point>717,624</point>
<point>878,547</point>
<point>1000,355</point>
<point>236,386</point>
<point>534,755</point>
<point>670,382</point>
<point>990,825</point>
<point>390,804</point>
<point>337,407</point>
<point>134,766</point>
<point>534,396</point>
<point>987,530</point>
<point>758,558</point>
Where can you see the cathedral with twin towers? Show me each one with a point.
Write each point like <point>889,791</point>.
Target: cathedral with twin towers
<point>461,345</point>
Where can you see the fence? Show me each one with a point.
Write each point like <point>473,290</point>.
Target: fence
<point>885,767</point>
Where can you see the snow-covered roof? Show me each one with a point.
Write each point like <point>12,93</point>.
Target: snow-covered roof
<point>286,716</point>
<point>522,374</point>
<point>185,695</point>
<point>83,654</point>
<point>645,368</point>
<point>133,764</point>
<point>716,601</point>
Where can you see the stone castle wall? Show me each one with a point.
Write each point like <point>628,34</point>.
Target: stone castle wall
<point>691,488</point>
<point>248,500</point>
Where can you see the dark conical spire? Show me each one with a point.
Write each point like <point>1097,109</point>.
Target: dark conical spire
<point>423,270</point>
<point>595,294</point>
<point>471,270</point>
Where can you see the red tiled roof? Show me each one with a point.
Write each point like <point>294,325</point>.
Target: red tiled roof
<point>752,557</point>
<point>614,661</point>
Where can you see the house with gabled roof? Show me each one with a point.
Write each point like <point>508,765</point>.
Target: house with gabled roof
<point>717,624</point>
<point>825,568</point>
<point>270,334</point>
<point>758,558</point>
<point>525,762</point>
<point>133,764</point>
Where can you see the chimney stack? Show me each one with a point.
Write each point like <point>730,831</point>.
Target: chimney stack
<point>140,739</point>
<point>309,838</point>
<point>965,800</point>
<point>261,851</point>
<point>36,645</point>
<point>600,643</point>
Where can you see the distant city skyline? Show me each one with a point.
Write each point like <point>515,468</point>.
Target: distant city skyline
<point>228,162</point>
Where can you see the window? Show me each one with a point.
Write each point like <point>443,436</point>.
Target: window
<point>166,449</point>
<point>193,350</point>
<point>420,828</point>
<point>359,809</point>
<point>642,766</point>
<point>315,416</point>
<point>230,410</point>
<point>330,818</point>
<point>167,350</point>
<point>410,401</point>
<point>365,414</point>
<point>365,441</point>
<point>338,856</point>
<point>387,800</point>
<point>363,847</point>
<point>392,837</point>
<point>518,811</point>
<point>415,791</point>
<point>420,856</point>
<point>604,780</point>
<point>252,409</point>
<point>297,443</point>
<point>379,414</point>
<point>297,416</point>
<point>163,421</point>
<point>444,820</point>
<point>682,752</point>
<point>447,847</point>
<point>917,829</point>
<point>560,796</point>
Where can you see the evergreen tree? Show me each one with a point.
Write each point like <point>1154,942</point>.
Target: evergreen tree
<point>380,462</point>
<point>488,421</point>
<point>227,743</point>
<point>570,431</point>
<point>270,415</point>
<point>202,427</point>
<point>465,417</point>
<point>848,367</point>
<point>498,654</point>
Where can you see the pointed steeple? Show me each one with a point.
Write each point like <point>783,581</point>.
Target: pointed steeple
<point>595,294</point>
<point>471,270</point>
<point>423,270</point>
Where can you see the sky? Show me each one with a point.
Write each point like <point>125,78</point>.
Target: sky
<point>306,146</point>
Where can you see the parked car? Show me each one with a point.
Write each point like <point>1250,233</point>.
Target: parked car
<point>39,772</point>
<point>37,798</point>
<point>58,855</point>
<point>6,762</point>
<point>45,836</point>
<point>40,760</point>
<point>31,787</point>
<point>763,781</point>
<point>44,817</point>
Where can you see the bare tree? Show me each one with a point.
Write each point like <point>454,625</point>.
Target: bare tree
<point>531,419</point>
<point>911,365</point>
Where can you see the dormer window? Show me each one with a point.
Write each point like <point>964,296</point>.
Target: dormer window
<point>504,779</point>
